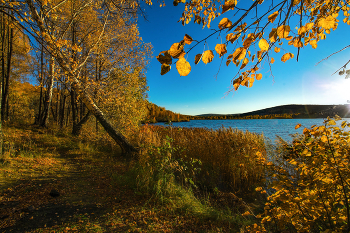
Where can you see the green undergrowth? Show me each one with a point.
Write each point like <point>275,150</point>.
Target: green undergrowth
<point>103,192</point>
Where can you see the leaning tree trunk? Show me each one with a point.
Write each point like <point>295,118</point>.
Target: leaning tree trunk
<point>79,125</point>
<point>75,84</point>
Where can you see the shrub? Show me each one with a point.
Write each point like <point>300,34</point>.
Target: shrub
<point>311,183</point>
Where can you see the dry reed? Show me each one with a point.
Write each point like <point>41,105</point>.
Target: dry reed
<point>229,156</point>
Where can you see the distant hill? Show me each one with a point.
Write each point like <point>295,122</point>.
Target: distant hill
<point>291,111</point>
<point>160,114</point>
<point>287,111</point>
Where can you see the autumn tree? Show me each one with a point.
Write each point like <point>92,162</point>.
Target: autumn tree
<point>255,34</point>
<point>36,17</point>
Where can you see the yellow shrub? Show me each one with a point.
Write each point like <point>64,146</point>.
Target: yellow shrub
<point>311,190</point>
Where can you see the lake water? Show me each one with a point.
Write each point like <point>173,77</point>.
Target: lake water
<point>269,127</point>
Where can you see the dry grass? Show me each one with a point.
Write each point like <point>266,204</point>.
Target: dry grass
<point>229,159</point>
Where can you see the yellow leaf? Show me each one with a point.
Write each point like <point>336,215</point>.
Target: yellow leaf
<point>263,45</point>
<point>302,30</point>
<point>244,63</point>
<point>225,23</point>
<point>232,38</point>
<point>245,82</point>
<point>229,5</point>
<point>313,44</point>
<point>258,76</point>
<point>239,53</point>
<point>285,57</point>
<point>197,19</point>
<point>228,62</point>
<point>297,43</point>
<point>197,58</point>
<point>187,39</point>
<point>207,56</point>
<point>328,23</point>
<point>248,41</point>
<point>297,126</point>
<point>277,50</point>
<point>164,59</point>
<point>176,50</point>
<point>324,138</point>
<point>273,35</point>
<point>273,16</point>
<point>251,81</point>
<point>183,67</point>
<point>221,49</point>
<point>165,69</point>
<point>309,26</point>
<point>283,31</point>
<point>272,60</point>
<point>331,122</point>
<point>253,57</point>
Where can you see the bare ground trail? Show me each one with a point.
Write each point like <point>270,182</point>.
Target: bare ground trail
<point>89,199</point>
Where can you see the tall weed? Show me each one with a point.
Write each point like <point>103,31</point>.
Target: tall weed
<point>225,158</point>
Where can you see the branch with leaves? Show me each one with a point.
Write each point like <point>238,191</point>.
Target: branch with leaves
<point>257,34</point>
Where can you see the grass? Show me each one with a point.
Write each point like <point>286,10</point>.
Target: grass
<point>101,192</point>
<point>226,158</point>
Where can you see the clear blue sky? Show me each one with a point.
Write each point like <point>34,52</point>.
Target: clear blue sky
<point>203,92</point>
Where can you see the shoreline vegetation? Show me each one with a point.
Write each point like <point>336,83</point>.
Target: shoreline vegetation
<point>292,111</point>
<point>180,180</point>
<point>185,179</point>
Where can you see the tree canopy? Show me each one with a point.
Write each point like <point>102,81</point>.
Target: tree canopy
<point>262,31</point>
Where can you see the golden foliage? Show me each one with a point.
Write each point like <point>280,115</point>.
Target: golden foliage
<point>263,45</point>
<point>239,54</point>
<point>225,23</point>
<point>197,58</point>
<point>228,5</point>
<point>165,69</point>
<point>183,67</point>
<point>273,17</point>
<point>310,179</point>
<point>176,50</point>
<point>221,49</point>
<point>187,39</point>
<point>164,59</point>
<point>315,17</point>
<point>207,56</point>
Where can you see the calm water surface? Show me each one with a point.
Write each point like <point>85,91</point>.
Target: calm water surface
<point>269,127</point>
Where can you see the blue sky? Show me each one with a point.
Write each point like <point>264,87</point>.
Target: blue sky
<point>203,91</point>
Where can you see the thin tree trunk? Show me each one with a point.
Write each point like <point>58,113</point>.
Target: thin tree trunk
<point>38,118</point>
<point>73,108</point>
<point>2,71</point>
<point>62,107</point>
<point>48,95</point>
<point>6,81</point>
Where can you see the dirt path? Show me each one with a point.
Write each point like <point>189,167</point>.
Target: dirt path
<point>89,199</point>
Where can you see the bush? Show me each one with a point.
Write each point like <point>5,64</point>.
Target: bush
<point>310,183</point>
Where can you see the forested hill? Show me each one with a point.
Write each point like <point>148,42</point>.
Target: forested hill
<point>160,114</point>
<point>287,111</point>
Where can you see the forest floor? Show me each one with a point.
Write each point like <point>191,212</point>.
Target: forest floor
<point>89,198</point>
